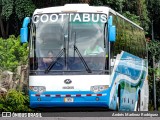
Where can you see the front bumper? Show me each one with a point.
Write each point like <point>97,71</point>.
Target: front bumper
<point>80,99</point>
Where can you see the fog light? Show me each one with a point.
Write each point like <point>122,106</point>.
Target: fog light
<point>39,89</point>
<point>97,98</point>
<point>99,88</point>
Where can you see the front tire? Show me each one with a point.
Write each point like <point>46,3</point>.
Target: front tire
<point>118,104</point>
<point>138,103</point>
<point>118,100</point>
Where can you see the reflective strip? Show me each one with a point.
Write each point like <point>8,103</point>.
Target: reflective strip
<point>78,95</point>
<point>58,95</point>
<point>94,94</point>
<point>53,95</point>
<point>83,95</point>
<point>74,95</point>
<point>47,95</point>
<point>88,95</point>
<point>68,95</point>
<point>63,95</point>
<point>37,95</point>
<point>99,94</point>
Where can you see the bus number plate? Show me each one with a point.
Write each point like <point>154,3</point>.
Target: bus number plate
<point>68,99</point>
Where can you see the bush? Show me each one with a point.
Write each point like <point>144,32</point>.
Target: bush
<point>150,107</point>
<point>14,101</point>
<point>12,53</point>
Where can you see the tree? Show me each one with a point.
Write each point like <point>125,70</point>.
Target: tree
<point>117,5</point>
<point>11,10</point>
<point>153,7</point>
<point>138,8</point>
<point>154,50</point>
<point>142,12</point>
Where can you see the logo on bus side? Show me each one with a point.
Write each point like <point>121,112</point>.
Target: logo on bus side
<point>67,81</point>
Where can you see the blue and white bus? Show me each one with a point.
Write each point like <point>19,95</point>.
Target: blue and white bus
<point>98,58</point>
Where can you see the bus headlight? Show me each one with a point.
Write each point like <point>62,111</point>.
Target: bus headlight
<point>38,89</point>
<point>99,88</point>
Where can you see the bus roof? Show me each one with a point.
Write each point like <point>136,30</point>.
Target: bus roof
<point>81,8</point>
<point>73,8</point>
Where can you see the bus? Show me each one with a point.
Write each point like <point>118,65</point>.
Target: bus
<point>86,56</point>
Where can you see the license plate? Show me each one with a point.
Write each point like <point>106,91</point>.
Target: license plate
<point>68,99</point>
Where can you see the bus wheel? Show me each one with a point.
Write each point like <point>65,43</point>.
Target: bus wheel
<point>118,100</point>
<point>117,104</point>
<point>138,103</point>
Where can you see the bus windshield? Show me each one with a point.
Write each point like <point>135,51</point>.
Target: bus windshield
<point>67,44</point>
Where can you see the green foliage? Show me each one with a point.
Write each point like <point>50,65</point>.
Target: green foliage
<point>22,8</point>
<point>117,5</point>
<point>150,107</point>
<point>14,101</point>
<point>135,10</point>
<point>153,48</point>
<point>143,14</point>
<point>12,53</point>
<point>7,8</point>
<point>18,9</point>
<point>158,73</point>
<point>153,7</point>
<point>96,2</point>
<point>132,17</point>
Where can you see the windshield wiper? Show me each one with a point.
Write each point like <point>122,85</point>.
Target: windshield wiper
<point>54,62</point>
<point>80,56</point>
<point>63,51</point>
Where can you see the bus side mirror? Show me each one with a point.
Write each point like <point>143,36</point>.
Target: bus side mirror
<point>24,30</point>
<point>111,30</point>
<point>112,33</point>
<point>24,35</point>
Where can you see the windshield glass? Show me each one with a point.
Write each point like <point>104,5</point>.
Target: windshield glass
<point>89,39</point>
<point>78,44</point>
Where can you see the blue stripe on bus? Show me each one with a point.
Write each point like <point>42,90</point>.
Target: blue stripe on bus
<point>78,101</point>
